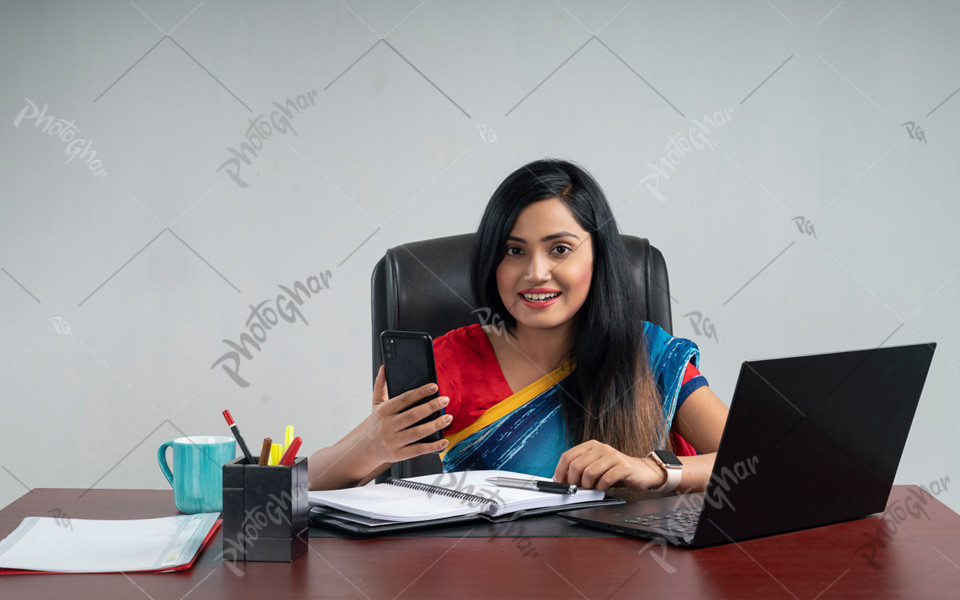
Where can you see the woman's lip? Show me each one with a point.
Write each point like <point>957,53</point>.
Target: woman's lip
<point>539,305</point>
<point>539,291</point>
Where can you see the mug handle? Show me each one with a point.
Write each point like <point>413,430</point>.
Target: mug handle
<point>162,459</point>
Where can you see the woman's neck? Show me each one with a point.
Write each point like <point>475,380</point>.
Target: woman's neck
<point>546,348</point>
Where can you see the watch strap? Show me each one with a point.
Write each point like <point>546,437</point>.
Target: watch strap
<point>674,475</point>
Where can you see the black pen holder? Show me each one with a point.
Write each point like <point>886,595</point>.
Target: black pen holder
<point>265,511</point>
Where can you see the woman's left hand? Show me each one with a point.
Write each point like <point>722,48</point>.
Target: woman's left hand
<point>592,465</point>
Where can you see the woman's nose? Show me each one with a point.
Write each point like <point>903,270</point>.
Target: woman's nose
<point>538,269</point>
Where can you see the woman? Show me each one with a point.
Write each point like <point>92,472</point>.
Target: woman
<point>571,382</point>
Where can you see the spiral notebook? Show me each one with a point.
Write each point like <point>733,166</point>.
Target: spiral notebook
<point>401,504</point>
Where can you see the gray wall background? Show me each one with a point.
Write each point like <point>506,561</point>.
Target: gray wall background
<point>806,218</point>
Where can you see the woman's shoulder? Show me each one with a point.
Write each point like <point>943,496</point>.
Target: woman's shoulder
<point>464,345</point>
<point>468,373</point>
<point>649,326</point>
<point>471,335</point>
<point>662,346</point>
<point>652,331</point>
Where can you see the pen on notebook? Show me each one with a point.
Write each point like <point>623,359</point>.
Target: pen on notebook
<point>265,451</point>
<point>291,454</point>
<point>287,437</point>
<point>534,484</point>
<point>236,434</point>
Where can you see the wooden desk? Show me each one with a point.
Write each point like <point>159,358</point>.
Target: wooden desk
<point>921,559</point>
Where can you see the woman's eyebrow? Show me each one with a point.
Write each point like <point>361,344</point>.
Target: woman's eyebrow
<point>552,236</point>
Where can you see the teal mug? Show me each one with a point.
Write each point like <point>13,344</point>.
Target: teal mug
<point>197,476</point>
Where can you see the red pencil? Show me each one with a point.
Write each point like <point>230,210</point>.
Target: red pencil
<point>291,454</point>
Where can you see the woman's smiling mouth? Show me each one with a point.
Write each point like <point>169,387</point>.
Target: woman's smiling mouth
<point>539,297</point>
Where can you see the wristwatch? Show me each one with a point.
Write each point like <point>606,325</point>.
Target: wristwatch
<point>669,462</point>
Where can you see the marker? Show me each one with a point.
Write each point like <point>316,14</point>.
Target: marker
<point>534,484</point>
<point>265,451</point>
<point>291,454</point>
<point>236,434</point>
<point>275,452</point>
<point>287,437</point>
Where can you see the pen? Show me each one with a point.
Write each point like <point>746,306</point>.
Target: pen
<point>265,451</point>
<point>291,454</point>
<point>534,484</point>
<point>236,434</point>
<point>287,437</point>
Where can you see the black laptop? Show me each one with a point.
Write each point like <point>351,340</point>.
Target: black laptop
<point>809,441</point>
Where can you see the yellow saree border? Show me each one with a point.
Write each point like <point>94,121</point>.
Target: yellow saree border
<point>509,404</point>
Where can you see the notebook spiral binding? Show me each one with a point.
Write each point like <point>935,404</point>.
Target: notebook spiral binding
<point>440,491</point>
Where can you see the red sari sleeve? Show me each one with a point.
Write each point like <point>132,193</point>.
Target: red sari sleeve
<point>468,373</point>
<point>448,372</point>
<point>681,447</point>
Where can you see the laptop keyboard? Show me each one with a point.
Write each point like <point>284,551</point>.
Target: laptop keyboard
<point>682,520</point>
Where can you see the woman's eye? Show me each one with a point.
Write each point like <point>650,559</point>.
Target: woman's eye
<point>513,251</point>
<point>563,249</point>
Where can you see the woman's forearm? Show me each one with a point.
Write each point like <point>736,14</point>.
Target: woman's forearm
<point>696,472</point>
<point>342,464</point>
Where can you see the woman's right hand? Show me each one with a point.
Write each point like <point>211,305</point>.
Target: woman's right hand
<point>383,438</point>
<point>389,436</point>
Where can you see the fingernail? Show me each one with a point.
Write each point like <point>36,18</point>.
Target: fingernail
<point>447,419</point>
<point>444,401</point>
<point>432,388</point>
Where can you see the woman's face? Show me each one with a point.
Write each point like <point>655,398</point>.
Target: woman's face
<point>547,267</point>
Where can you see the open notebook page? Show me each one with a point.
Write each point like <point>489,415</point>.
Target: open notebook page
<point>391,502</point>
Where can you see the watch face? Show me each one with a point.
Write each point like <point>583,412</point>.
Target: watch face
<point>669,458</point>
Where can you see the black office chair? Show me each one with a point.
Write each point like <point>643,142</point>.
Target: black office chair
<point>425,286</point>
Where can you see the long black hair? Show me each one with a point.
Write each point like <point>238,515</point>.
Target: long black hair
<point>610,396</point>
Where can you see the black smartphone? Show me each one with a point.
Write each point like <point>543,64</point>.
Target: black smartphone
<point>408,362</point>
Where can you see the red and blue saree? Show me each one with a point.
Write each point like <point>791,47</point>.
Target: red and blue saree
<point>496,428</point>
